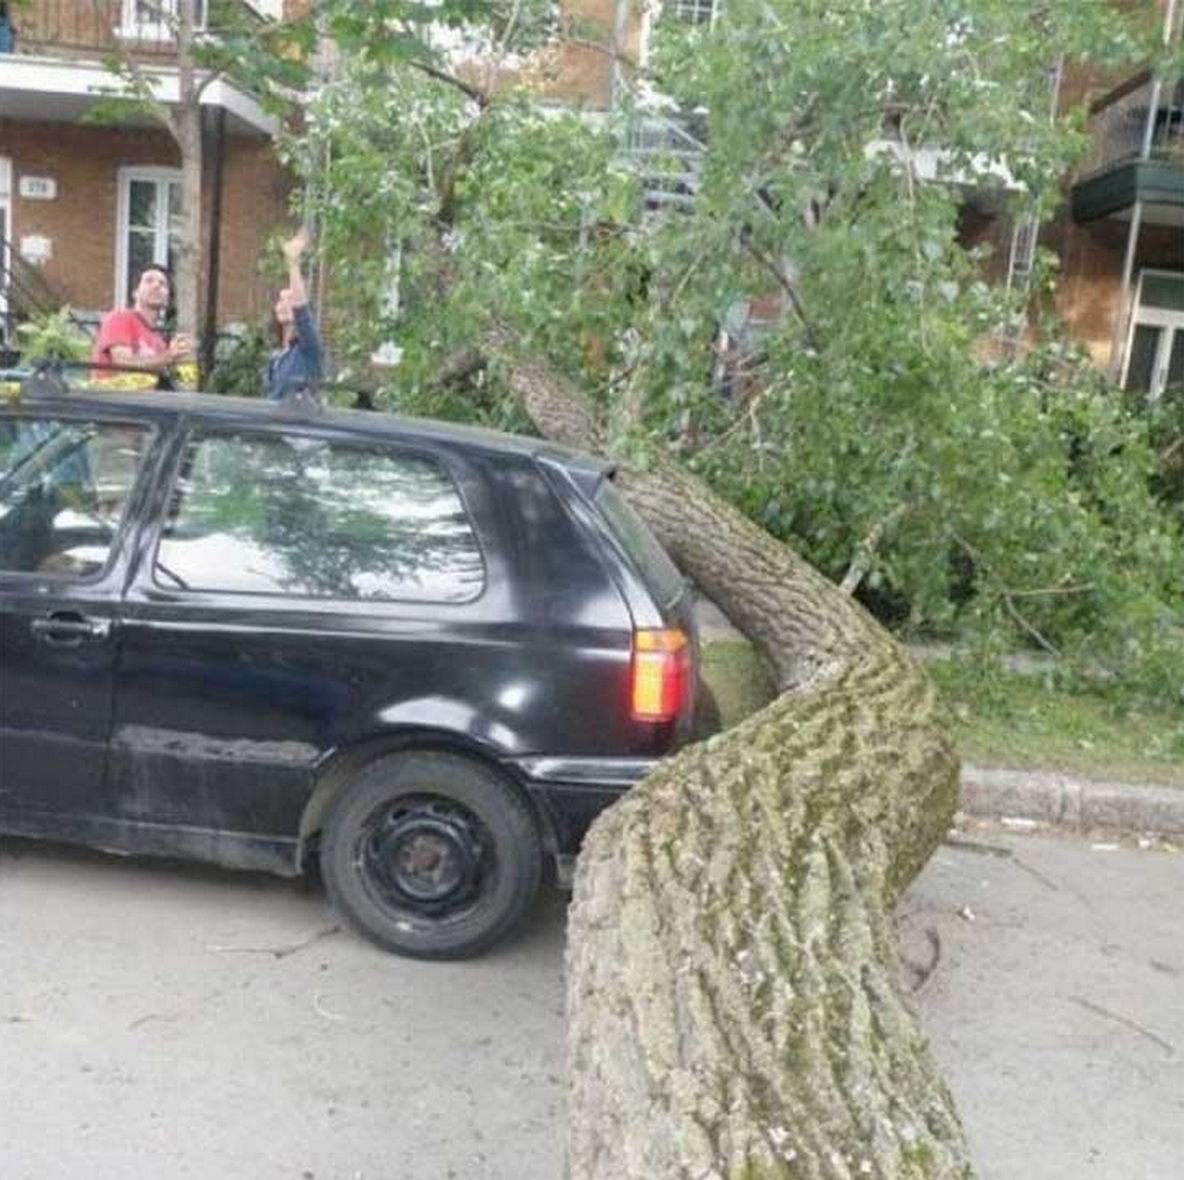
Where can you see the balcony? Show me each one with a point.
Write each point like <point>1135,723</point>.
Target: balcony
<point>54,70</point>
<point>1137,153</point>
<point>94,28</point>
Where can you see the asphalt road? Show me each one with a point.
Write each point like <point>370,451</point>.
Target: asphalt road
<point>159,1021</point>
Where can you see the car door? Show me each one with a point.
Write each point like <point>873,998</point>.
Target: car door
<point>300,585</point>
<point>69,484</point>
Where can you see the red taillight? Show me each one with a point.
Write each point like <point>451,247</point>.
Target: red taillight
<point>661,674</point>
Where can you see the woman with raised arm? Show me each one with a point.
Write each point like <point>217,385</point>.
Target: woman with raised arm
<point>298,363</point>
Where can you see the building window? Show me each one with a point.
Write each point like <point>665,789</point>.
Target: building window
<point>153,20</point>
<point>149,229</point>
<point>1155,351</point>
<point>693,12</point>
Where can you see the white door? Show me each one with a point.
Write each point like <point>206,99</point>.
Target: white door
<point>1155,351</point>
<point>149,225</point>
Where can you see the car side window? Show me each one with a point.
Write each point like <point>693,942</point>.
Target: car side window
<point>64,486</point>
<point>292,515</point>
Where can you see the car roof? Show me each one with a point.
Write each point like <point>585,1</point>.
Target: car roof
<point>248,411</point>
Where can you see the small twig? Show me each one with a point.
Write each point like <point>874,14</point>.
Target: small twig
<point>1082,588</point>
<point>1023,866</point>
<point>1008,597</point>
<point>478,96</point>
<point>1003,854</point>
<point>677,290</point>
<point>861,563</point>
<point>278,952</point>
<point>1098,1010</point>
<point>748,414</point>
<point>499,52</point>
<point>324,1012</point>
<point>975,846</point>
<point>1169,452</point>
<point>787,287</point>
<point>165,1018</point>
<point>427,156</point>
<point>566,37</point>
<point>926,973</point>
<point>1046,644</point>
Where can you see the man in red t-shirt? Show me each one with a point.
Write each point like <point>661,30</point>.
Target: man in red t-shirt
<point>131,337</point>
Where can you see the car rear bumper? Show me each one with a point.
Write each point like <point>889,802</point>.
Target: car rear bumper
<point>572,792</point>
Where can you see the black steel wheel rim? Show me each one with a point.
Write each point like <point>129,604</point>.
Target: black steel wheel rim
<point>425,856</point>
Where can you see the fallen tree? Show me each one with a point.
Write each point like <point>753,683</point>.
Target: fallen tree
<point>736,1011</point>
<point>735,1001</point>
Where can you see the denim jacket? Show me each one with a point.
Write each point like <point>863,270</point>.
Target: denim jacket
<point>300,363</point>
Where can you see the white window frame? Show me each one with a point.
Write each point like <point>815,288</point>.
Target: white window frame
<point>132,28</point>
<point>691,12</point>
<point>6,204</point>
<point>122,213</point>
<point>1171,322</point>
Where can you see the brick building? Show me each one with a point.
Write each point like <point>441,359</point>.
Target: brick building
<point>84,206</point>
<point>1120,235</point>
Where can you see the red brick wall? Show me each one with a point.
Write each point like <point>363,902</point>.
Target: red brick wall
<point>255,192</point>
<point>81,221</point>
<point>1091,273</point>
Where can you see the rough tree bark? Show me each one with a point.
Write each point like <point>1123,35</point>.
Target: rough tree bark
<point>735,1003</point>
<point>185,127</point>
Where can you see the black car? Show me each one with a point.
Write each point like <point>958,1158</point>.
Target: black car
<point>421,655</point>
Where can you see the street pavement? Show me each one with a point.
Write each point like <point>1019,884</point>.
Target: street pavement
<point>168,1021</point>
<point>1057,1005</point>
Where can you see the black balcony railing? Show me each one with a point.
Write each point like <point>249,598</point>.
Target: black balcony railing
<point>1135,116</point>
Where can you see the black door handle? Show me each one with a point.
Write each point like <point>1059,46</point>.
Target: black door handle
<point>68,627</point>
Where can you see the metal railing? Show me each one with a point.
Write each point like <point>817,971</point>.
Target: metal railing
<point>1135,116</point>
<point>89,28</point>
<point>669,156</point>
<point>24,295</point>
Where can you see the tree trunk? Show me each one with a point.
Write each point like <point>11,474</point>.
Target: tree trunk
<point>735,1003</point>
<point>186,130</point>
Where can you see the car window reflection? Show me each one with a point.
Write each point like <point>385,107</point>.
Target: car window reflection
<point>311,518</point>
<point>64,486</point>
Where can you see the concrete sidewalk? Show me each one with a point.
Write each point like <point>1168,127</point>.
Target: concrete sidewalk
<point>1066,801</point>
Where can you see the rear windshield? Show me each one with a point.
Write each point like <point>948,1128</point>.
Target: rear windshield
<point>659,573</point>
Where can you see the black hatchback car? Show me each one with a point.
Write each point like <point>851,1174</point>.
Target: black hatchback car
<point>422,655</point>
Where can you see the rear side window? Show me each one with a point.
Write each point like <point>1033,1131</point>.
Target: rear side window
<point>659,573</point>
<point>255,514</point>
<point>64,487</point>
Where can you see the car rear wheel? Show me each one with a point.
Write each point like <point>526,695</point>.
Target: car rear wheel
<point>431,855</point>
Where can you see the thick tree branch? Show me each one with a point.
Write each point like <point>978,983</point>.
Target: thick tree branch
<point>467,88</point>
<point>786,286</point>
<point>736,1004</point>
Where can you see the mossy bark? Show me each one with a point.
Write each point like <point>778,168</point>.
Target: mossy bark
<point>734,998</point>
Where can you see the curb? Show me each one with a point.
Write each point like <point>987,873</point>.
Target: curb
<point>1076,804</point>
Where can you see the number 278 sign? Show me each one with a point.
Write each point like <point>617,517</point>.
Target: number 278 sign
<point>39,188</point>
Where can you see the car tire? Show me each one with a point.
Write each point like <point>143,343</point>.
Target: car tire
<point>431,855</point>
